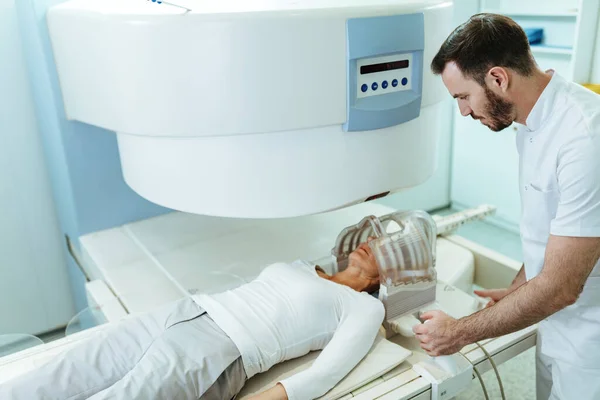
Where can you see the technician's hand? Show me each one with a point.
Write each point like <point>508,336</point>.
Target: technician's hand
<point>494,294</point>
<point>438,335</point>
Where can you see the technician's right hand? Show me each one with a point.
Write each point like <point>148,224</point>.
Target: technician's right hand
<point>494,294</point>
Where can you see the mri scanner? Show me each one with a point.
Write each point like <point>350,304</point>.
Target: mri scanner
<point>269,127</point>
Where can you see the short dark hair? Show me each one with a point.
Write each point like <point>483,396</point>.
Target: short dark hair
<point>483,42</point>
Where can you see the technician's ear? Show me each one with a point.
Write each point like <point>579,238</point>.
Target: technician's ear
<point>498,78</point>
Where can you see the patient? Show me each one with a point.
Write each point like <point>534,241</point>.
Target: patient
<point>206,347</point>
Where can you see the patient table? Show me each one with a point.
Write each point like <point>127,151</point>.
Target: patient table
<point>137,267</point>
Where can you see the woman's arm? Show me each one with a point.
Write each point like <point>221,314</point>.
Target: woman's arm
<point>351,342</point>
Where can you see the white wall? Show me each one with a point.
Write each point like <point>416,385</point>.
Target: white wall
<point>485,170</point>
<point>484,163</point>
<point>34,290</point>
<point>595,78</point>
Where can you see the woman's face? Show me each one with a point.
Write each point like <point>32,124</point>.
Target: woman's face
<point>364,259</point>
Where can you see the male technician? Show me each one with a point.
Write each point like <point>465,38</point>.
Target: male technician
<point>486,64</point>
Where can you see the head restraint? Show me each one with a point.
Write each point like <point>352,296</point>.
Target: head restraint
<point>403,245</point>
<point>404,249</point>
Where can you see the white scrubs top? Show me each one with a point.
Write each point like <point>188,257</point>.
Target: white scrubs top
<point>559,149</point>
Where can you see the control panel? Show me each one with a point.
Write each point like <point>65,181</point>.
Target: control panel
<point>381,75</point>
<point>385,71</point>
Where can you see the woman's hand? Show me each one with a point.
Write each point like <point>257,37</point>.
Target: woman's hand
<point>277,392</point>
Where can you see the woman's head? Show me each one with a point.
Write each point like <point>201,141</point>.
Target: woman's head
<point>363,265</point>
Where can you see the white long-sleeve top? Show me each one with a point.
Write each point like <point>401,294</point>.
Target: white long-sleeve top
<point>288,311</point>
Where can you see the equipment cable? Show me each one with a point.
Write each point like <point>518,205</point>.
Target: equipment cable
<point>485,393</point>
<point>479,377</point>
<point>491,360</point>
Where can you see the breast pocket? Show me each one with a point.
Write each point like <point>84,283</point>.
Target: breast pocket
<point>539,209</point>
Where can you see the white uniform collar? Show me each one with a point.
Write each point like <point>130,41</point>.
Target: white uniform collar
<point>544,105</point>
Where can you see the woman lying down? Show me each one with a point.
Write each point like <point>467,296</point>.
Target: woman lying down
<point>208,346</point>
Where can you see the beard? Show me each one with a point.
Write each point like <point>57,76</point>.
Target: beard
<point>498,112</point>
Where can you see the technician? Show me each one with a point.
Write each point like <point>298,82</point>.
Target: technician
<point>487,65</point>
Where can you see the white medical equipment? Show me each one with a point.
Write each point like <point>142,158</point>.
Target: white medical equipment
<point>258,109</point>
<point>142,265</point>
<point>406,258</point>
<point>262,109</point>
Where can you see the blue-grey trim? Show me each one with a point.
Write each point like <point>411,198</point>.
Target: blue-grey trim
<point>380,36</point>
<point>82,160</point>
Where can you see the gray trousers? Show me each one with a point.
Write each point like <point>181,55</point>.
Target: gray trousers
<point>175,352</point>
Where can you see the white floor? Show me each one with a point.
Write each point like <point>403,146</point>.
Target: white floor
<point>518,379</point>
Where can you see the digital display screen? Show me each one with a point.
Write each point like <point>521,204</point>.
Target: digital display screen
<point>388,66</point>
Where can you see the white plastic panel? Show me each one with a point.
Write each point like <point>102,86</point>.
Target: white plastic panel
<point>282,174</point>
<point>221,112</point>
<point>195,74</point>
<point>148,78</point>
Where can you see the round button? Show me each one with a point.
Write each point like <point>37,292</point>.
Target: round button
<point>364,87</point>
<point>395,82</point>
<point>404,81</point>
<point>374,86</point>
<point>384,84</point>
